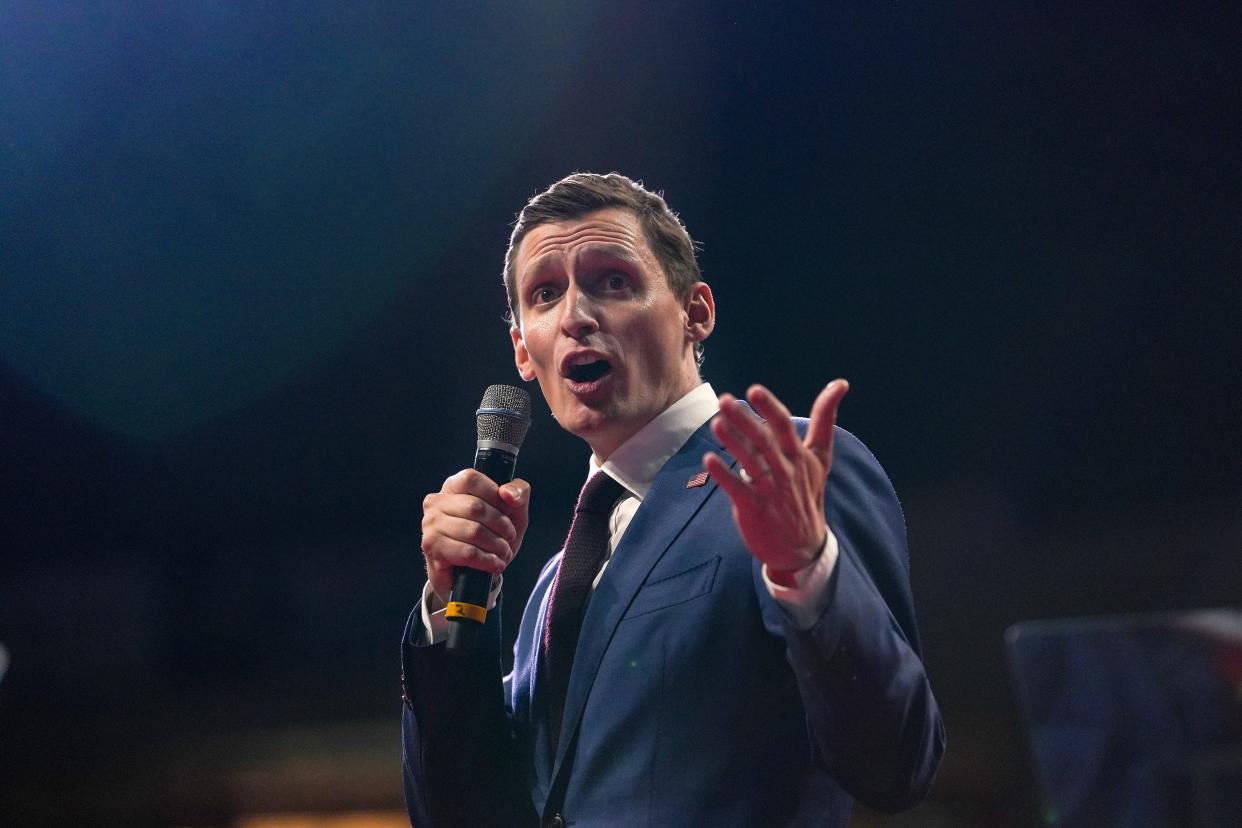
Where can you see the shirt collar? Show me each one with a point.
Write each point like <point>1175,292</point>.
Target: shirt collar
<point>638,460</point>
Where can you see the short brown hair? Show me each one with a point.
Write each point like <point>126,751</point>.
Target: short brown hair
<point>582,193</point>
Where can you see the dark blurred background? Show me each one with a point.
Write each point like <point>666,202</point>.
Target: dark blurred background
<point>250,297</point>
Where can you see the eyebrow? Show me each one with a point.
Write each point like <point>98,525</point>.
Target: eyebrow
<point>609,251</point>
<point>590,253</point>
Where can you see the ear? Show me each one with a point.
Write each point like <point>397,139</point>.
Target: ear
<point>700,309</point>
<point>521,357</point>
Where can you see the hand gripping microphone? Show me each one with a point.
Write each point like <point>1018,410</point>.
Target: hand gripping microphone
<point>502,419</point>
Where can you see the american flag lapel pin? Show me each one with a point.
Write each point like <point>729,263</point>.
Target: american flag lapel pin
<point>697,481</point>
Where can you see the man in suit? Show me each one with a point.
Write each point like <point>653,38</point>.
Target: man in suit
<point>743,650</point>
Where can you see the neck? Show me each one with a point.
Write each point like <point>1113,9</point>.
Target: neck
<point>608,441</point>
<point>603,445</point>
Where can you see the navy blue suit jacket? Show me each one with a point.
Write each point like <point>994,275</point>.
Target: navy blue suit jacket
<point>693,699</point>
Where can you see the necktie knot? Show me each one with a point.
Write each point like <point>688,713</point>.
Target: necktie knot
<point>599,494</point>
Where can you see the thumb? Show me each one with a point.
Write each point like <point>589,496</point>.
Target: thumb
<point>516,497</point>
<point>823,417</point>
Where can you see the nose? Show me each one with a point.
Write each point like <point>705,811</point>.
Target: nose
<point>580,314</point>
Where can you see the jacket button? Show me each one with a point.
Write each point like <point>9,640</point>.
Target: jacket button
<point>554,821</point>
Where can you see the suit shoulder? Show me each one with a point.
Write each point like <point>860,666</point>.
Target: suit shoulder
<point>844,443</point>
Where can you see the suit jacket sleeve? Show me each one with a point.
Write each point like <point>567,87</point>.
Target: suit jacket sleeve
<point>459,762</point>
<point>873,719</point>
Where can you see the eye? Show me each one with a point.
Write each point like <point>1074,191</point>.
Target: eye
<point>616,280</point>
<point>542,295</point>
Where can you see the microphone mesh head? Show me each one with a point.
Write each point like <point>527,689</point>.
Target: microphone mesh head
<point>504,415</point>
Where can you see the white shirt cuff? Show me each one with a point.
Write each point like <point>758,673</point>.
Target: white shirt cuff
<point>806,600</point>
<point>435,625</point>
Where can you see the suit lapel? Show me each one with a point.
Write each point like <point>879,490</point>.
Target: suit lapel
<point>663,515</point>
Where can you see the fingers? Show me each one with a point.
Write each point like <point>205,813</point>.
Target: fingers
<point>751,441</point>
<point>770,450</point>
<point>467,531</point>
<point>444,553</point>
<point>473,522</point>
<point>471,482</point>
<point>734,486</point>
<point>441,509</point>
<point>823,418</point>
<point>777,416</point>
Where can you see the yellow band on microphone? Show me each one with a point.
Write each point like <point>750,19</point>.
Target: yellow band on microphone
<point>460,609</point>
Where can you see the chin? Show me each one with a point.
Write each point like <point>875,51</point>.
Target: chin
<point>585,422</point>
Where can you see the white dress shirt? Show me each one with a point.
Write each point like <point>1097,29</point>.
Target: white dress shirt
<point>635,465</point>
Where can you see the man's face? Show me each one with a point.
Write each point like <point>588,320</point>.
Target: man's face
<point>609,342</point>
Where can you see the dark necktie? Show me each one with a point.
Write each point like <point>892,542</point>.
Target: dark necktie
<point>585,550</point>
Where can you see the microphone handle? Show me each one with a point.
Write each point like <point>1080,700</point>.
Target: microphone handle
<point>467,607</point>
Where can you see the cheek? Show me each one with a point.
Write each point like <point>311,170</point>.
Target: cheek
<point>658,349</point>
<point>536,336</point>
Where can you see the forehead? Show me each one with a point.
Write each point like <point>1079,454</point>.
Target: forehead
<point>614,231</point>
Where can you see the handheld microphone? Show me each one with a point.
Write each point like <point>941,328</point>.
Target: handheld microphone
<point>502,420</point>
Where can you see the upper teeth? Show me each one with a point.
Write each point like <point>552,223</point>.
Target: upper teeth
<point>583,359</point>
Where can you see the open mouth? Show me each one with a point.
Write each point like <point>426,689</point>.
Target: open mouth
<point>589,371</point>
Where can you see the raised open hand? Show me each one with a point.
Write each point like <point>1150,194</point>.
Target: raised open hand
<point>778,496</point>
